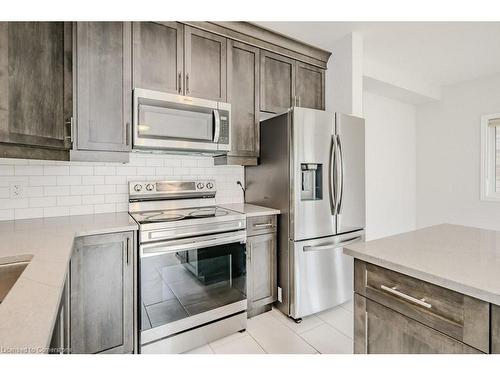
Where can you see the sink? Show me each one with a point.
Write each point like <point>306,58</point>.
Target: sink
<point>9,273</point>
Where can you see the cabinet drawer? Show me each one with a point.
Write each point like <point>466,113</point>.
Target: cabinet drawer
<point>261,225</point>
<point>454,314</point>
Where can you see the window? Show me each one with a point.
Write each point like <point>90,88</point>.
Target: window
<point>490,157</point>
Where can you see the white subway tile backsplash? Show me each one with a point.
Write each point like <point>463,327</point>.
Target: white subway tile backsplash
<point>42,180</point>
<point>42,202</point>
<point>69,180</point>
<point>104,189</point>
<point>54,188</point>
<point>6,170</point>
<point>69,200</point>
<point>56,170</point>
<point>24,170</point>
<point>82,189</point>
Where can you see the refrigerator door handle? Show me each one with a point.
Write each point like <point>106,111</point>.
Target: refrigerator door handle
<point>332,175</point>
<point>332,245</point>
<point>340,174</point>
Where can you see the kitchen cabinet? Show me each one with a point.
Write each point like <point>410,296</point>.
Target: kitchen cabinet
<point>102,294</point>
<point>261,264</point>
<point>158,56</point>
<point>104,88</point>
<point>205,64</point>
<point>310,86</point>
<point>385,331</point>
<point>60,335</point>
<point>396,313</point>
<point>243,71</point>
<point>35,89</point>
<point>277,82</point>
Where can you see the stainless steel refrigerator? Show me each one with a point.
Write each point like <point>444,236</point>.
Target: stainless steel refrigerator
<point>312,168</point>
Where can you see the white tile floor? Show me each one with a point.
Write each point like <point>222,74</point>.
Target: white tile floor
<point>329,332</point>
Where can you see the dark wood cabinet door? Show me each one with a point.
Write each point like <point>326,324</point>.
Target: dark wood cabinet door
<point>243,94</point>
<point>380,330</point>
<point>104,89</point>
<point>262,284</point>
<point>158,56</point>
<point>277,82</point>
<point>101,294</point>
<point>35,84</point>
<point>205,64</point>
<point>310,86</point>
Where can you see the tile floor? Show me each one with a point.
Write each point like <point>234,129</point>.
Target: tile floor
<point>329,332</point>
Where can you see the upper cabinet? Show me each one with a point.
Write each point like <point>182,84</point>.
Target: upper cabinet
<point>277,82</point>
<point>35,89</point>
<point>205,64</point>
<point>158,56</point>
<point>104,86</point>
<point>243,66</point>
<point>309,86</point>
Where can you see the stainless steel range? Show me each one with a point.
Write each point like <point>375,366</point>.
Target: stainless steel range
<point>192,267</point>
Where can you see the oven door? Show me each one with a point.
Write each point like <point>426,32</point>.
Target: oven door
<point>165,121</point>
<point>191,282</point>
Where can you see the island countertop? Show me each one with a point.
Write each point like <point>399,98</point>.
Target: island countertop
<point>459,258</point>
<point>29,311</point>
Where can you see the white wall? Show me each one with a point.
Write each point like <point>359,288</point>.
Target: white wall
<point>448,156</point>
<point>390,166</point>
<point>52,188</point>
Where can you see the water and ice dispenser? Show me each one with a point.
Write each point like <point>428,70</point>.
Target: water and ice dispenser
<point>312,181</point>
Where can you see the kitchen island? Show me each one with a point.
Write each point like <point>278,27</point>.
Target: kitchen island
<point>433,290</point>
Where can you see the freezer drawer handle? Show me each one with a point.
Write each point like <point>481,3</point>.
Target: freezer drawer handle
<point>332,245</point>
<point>393,290</point>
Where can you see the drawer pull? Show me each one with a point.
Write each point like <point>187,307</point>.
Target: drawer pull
<point>420,302</point>
<point>261,226</point>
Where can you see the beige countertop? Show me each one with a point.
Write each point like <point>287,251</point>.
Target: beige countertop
<point>29,311</point>
<point>250,210</point>
<point>456,257</point>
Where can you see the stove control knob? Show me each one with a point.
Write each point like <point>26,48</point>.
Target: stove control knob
<point>137,187</point>
<point>200,185</point>
<point>150,187</point>
<point>210,185</point>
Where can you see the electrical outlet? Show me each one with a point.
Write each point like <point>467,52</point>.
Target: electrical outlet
<point>16,190</point>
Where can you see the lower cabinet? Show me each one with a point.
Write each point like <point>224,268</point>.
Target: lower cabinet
<point>380,330</point>
<point>102,294</point>
<point>261,269</point>
<point>399,314</point>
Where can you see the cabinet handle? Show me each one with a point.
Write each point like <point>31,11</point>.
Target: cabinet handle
<point>180,83</point>
<point>187,83</point>
<point>127,133</point>
<point>128,248</point>
<point>260,226</point>
<point>420,302</point>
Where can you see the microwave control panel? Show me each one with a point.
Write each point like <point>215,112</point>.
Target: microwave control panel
<point>224,127</point>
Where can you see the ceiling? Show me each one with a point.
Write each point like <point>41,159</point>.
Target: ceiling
<point>439,53</point>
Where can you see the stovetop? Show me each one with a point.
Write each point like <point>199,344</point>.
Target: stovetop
<point>173,215</point>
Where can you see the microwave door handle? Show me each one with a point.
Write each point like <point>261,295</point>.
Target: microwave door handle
<point>216,126</point>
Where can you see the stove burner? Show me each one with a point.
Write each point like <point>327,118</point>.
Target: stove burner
<point>207,212</point>
<point>162,216</point>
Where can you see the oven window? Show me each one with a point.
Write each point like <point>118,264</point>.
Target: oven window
<point>161,122</point>
<point>182,284</point>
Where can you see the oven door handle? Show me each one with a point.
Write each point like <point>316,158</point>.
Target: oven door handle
<point>174,246</point>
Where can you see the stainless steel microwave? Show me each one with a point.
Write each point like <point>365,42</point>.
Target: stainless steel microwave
<point>169,122</point>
